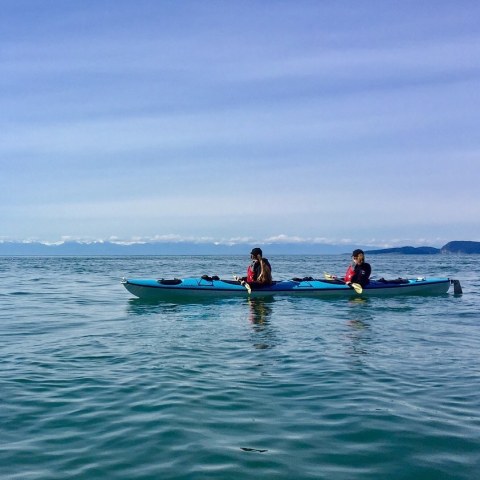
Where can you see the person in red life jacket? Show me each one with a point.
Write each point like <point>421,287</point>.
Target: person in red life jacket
<point>259,272</point>
<point>359,271</point>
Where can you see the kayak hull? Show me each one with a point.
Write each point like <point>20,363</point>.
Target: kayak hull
<point>152,289</point>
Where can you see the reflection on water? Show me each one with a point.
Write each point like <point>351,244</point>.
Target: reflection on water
<point>359,333</point>
<point>259,316</point>
<point>260,309</point>
<point>358,300</point>
<point>139,306</point>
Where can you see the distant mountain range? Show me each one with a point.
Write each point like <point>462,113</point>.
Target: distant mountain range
<point>191,248</point>
<point>97,248</point>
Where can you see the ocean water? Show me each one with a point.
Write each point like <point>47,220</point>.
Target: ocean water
<point>97,384</point>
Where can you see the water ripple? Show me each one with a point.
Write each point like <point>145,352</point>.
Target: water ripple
<point>97,385</point>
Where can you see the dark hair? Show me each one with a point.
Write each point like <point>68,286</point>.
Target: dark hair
<point>357,252</point>
<point>256,251</point>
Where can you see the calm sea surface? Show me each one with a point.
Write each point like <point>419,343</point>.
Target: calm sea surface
<point>97,384</point>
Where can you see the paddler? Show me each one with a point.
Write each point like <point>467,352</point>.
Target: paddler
<point>358,271</point>
<point>259,272</point>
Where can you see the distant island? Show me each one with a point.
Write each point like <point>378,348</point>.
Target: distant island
<point>455,247</point>
<point>408,250</point>
<point>101,248</point>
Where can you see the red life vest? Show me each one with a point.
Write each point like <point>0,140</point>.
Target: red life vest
<point>250,274</point>
<point>349,274</point>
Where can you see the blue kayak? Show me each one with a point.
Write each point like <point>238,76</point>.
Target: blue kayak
<point>153,289</point>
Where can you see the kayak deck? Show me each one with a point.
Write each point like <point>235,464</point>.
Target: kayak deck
<point>201,287</point>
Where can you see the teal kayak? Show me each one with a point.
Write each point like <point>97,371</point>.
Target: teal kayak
<point>153,289</point>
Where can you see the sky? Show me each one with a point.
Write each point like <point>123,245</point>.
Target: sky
<point>323,121</point>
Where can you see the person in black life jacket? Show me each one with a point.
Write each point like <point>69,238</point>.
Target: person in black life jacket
<point>359,271</point>
<point>259,272</point>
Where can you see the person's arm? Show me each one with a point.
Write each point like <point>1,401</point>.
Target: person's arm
<point>260,268</point>
<point>349,274</point>
<point>368,270</point>
<point>265,272</point>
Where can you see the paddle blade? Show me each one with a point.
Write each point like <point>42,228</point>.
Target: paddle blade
<point>328,276</point>
<point>357,287</point>
<point>243,283</point>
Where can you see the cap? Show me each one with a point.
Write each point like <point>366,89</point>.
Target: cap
<point>256,251</point>
<point>357,252</point>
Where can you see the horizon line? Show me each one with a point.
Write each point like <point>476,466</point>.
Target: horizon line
<point>278,240</point>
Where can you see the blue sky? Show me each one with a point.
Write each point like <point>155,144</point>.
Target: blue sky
<point>248,121</point>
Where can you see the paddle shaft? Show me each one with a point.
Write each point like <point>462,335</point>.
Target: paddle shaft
<point>356,286</point>
<point>243,283</point>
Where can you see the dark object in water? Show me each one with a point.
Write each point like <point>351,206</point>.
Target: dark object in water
<point>457,288</point>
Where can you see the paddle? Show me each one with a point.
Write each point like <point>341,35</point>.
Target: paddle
<point>327,276</point>
<point>243,283</point>
<point>356,286</point>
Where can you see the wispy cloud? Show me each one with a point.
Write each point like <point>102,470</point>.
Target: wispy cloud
<point>154,120</point>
